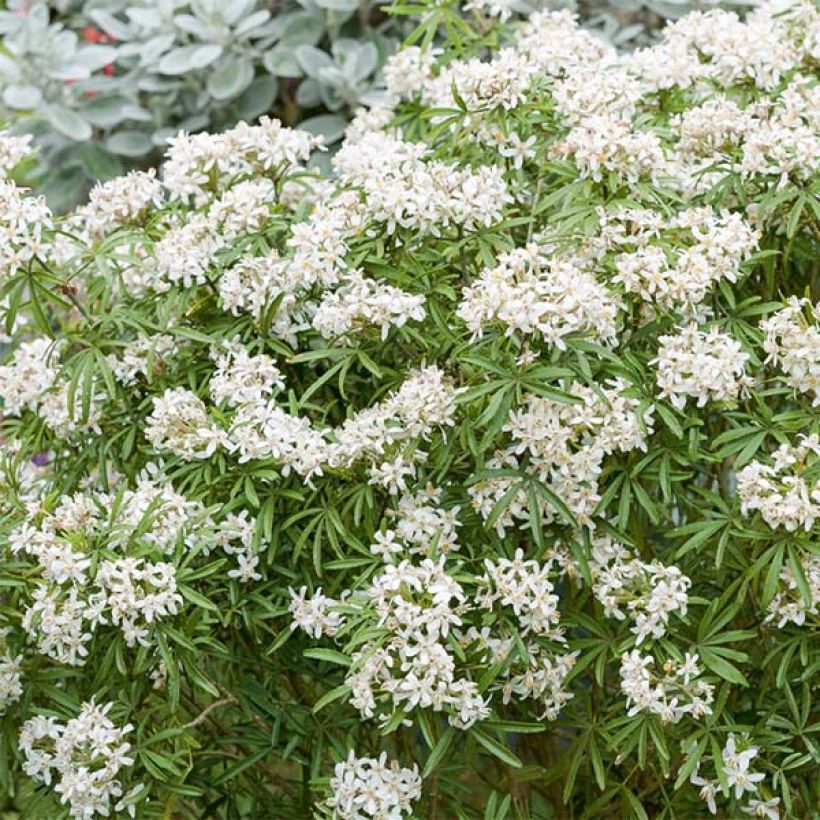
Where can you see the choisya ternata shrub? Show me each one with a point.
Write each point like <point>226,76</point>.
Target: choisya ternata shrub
<point>480,480</point>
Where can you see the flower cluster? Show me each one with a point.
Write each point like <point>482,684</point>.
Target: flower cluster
<point>671,692</point>
<point>400,189</point>
<point>708,366</point>
<point>789,604</point>
<point>78,596</point>
<point>793,344</point>
<point>84,758</point>
<point>708,248</point>
<point>418,605</point>
<point>180,423</point>
<point>198,165</point>
<point>630,589</point>
<point>734,764</point>
<point>32,381</point>
<point>315,614</point>
<point>121,202</point>
<point>562,444</point>
<point>779,491</point>
<point>531,292</point>
<point>10,675</point>
<point>366,787</point>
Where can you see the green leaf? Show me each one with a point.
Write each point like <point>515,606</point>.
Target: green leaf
<point>495,748</point>
<point>669,418</point>
<point>439,751</point>
<point>329,655</point>
<point>772,576</point>
<point>703,531</point>
<point>722,668</point>
<point>334,694</point>
<point>796,566</point>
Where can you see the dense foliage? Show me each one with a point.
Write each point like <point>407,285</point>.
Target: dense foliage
<point>102,84</point>
<point>481,479</point>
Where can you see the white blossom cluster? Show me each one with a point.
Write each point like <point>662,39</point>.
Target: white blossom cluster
<point>198,165</point>
<point>792,343</point>
<point>13,149</point>
<point>78,596</point>
<point>503,82</point>
<point>83,758</point>
<point>563,445</point>
<point>777,140</point>
<point>240,378</point>
<point>779,491</point>
<point>315,614</point>
<point>360,301</point>
<point>423,607</point>
<point>260,429</point>
<point>144,357</point>
<point>708,247</point>
<point>402,190</point>
<point>705,365</point>
<point>11,671</point>
<point>502,9</point>
<point>645,593</point>
<point>32,381</point>
<point>24,220</point>
<point>525,587</point>
<point>600,93</point>
<point>420,526</point>
<point>180,423</point>
<point>407,70</point>
<point>24,225</point>
<point>788,604</point>
<point>670,692</point>
<point>419,605</point>
<point>122,201</point>
<point>734,763</point>
<point>188,253</point>
<point>79,593</point>
<point>367,787</point>
<point>531,292</point>
<point>236,535</point>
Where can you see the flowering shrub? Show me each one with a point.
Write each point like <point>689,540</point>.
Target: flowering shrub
<point>103,84</point>
<point>481,479</point>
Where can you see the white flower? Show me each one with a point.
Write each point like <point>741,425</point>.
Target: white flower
<point>794,344</point>
<point>708,790</point>
<point>369,787</point>
<point>763,808</point>
<point>315,614</point>
<point>83,757</point>
<point>670,693</point>
<point>11,687</point>
<point>531,292</point>
<point>706,366</point>
<point>736,768</point>
<point>779,491</point>
<point>179,422</point>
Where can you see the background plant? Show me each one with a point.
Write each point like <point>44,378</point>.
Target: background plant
<point>480,480</point>
<point>102,85</point>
